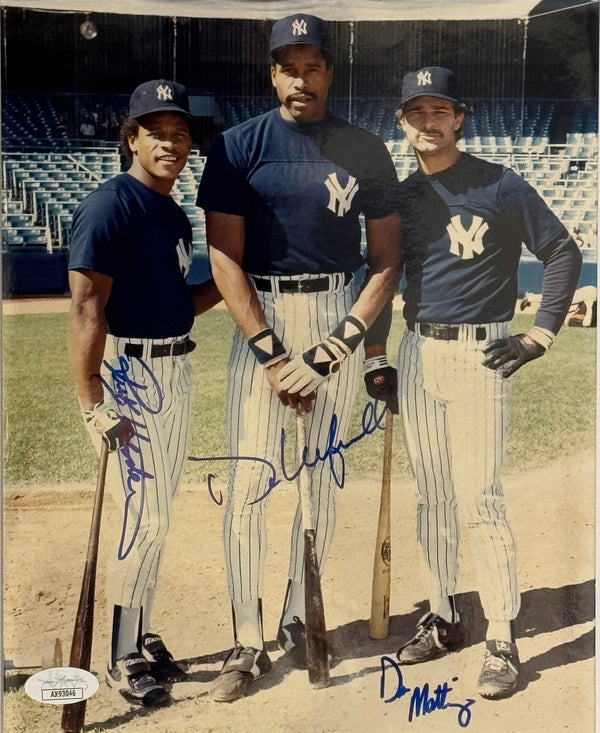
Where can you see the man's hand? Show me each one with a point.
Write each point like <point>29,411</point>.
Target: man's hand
<point>509,354</point>
<point>381,381</point>
<point>287,398</point>
<point>304,373</point>
<point>116,430</point>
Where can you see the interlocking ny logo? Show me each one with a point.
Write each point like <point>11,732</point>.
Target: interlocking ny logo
<point>340,199</point>
<point>185,258</point>
<point>424,78</point>
<point>299,27</point>
<point>471,239</point>
<point>163,92</point>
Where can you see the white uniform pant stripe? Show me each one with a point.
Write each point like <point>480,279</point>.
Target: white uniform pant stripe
<point>256,418</point>
<point>455,416</point>
<point>159,450</point>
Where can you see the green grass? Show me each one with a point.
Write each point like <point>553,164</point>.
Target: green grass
<point>44,439</point>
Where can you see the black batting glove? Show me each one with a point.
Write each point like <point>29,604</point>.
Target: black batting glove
<point>381,382</point>
<point>509,354</point>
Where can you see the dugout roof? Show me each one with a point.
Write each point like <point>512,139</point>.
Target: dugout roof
<point>330,9</point>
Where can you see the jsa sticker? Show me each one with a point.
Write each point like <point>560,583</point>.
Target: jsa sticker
<point>61,685</point>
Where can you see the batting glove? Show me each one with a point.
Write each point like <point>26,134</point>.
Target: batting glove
<point>116,430</point>
<point>304,373</point>
<point>381,381</point>
<point>509,354</point>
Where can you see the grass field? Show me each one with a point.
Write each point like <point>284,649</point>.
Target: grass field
<point>44,440</point>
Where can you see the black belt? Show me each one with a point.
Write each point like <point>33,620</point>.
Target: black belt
<point>445,333</point>
<point>306,285</point>
<point>175,348</point>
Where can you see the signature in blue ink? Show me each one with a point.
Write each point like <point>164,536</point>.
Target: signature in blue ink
<point>332,453</point>
<point>421,701</point>
<point>132,396</point>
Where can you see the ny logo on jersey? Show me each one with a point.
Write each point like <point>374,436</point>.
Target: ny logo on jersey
<point>424,78</point>
<point>164,93</point>
<point>340,199</point>
<point>299,27</point>
<point>184,255</point>
<point>471,239</point>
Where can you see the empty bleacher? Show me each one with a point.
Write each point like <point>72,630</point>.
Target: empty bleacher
<point>45,175</point>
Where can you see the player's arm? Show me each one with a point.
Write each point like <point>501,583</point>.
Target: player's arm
<point>205,295</point>
<point>86,338</point>
<point>384,255</point>
<point>225,235</point>
<point>87,333</point>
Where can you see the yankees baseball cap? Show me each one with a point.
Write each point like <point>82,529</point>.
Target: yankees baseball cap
<point>430,81</point>
<point>159,95</point>
<point>299,28</point>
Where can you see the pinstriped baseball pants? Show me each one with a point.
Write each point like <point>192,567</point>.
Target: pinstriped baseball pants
<point>255,419</point>
<point>455,417</point>
<point>143,477</point>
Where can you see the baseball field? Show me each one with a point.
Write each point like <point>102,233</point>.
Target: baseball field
<point>48,479</point>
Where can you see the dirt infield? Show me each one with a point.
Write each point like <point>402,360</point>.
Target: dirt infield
<point>552,515</point>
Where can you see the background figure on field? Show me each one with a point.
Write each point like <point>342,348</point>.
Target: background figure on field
<point>282,194</point>
<point>129,325</point>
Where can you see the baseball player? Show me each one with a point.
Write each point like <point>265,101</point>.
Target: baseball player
<point>282,194</point>
<point>129,324</point>
<point>463,223</point>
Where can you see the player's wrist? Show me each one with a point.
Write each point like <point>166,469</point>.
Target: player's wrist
<point>542,336</point>
<point>267,348</point>
<point>348,334</point>
<point>375,362</point>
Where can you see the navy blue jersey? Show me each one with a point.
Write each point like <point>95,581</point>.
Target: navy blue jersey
<point>143,241</point>
<point>462,231</point>
<point>300,189</point>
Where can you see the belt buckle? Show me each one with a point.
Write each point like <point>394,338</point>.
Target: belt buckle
<point>302,284</point>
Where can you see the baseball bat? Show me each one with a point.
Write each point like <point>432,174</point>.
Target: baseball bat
<point>380,591</point>
<point>317,655</point>
<point>73,714</point>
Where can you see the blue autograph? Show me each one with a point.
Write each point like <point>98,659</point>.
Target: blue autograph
<point>333,453</point>
<point>421,701</point>
<point>135,398</point>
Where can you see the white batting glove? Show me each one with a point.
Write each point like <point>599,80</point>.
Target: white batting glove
<point>304,373</point>
<point>115,429</point>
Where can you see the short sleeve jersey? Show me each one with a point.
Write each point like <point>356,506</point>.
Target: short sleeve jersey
<point>143,241</point>
<point>462,233</point>
<point>300,189</point>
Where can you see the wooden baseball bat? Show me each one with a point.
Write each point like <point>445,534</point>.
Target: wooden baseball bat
<point>73,714</point>
<point>317,655</point>
<point>380,591</point>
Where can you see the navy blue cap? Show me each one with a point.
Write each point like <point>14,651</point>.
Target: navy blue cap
<point>159,95</point>
<point>299,28</point>
<point>430,81</point>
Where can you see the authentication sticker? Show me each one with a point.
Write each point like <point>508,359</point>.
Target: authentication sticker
<point>61,685</point>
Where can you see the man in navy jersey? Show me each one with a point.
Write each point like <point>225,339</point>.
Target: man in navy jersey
<point>463,224</point>
<point>129,323</point>
<point>283,193</point>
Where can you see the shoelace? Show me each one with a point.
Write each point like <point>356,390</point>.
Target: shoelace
<point>424,629</point>
<point>495,662</point>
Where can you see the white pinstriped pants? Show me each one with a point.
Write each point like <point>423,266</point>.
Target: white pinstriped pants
<point>455,416</point>
<point>255,419</point>
<point>142,477</point>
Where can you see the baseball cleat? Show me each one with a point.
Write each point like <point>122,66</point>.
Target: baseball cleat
<point>163,666</point>
<point>243,665</point>
<point>133,678</point>
<point>434,636</point>
<point>291,639</point>
<point>500,672</point>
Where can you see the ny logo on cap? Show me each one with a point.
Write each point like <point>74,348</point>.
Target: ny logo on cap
<point>423,78</point>
<point>299,27</point>
<point>163,92</point>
